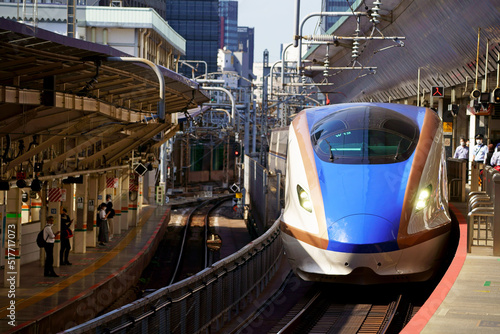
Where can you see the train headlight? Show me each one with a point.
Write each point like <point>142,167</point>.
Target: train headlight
<point>423,198</point>
<point>304,199</point>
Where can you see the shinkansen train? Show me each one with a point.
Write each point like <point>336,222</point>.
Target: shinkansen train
<point>366,196</point>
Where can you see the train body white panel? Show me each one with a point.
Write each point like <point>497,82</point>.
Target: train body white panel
<point>410,264</point>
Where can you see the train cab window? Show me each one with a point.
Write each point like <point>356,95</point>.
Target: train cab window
<point>365,135</point>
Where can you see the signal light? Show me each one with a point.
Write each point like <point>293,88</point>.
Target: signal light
<point>237,149</point>
<point>476,93</point>
<point>496,95</point>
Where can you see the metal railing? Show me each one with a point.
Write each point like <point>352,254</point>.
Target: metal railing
<point>202,303</point>
<point>483,216</point>
<point>457,178</point>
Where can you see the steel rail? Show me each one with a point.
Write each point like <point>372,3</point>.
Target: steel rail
<point>292,324</point>
<point>184,237</point>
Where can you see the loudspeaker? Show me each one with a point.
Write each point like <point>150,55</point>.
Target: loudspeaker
<point>21,184</point>
<point>4,185</point>
<point>36,185</point>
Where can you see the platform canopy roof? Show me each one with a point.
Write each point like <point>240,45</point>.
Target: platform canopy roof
<point>441,40</point>
<point>66,97</point>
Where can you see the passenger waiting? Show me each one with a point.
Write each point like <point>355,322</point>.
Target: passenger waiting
<point>495,159</point>
<point>462,151</point>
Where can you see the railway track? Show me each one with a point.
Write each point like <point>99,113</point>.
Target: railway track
<point>327,308</point>
<point>182,252</point>
<point>322,315</point>
<point>193,253</point>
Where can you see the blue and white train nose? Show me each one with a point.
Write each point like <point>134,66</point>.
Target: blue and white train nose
<point>362,233</point>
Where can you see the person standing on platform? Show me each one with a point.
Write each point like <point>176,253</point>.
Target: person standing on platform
<point>495,158</point>
<point>462,151</point>
<point>103,229</point>
<point>110,214</point>
<point>480,150</point>
<point>66,234</point>
<point>50,237</point>
<point>491,150</point>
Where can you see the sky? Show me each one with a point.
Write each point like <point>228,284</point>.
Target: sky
<point>274,23</point>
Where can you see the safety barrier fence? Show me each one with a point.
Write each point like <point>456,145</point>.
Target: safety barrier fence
<point>264,193</point>
<point>484,212</point>
<point>202,303</point>
<point>255,183</point>
<point>457,178</point>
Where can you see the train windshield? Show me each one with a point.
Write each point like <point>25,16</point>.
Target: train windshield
<point>365,135</point>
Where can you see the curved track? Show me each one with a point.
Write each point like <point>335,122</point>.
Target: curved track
<point>182,251</point>
<point>193,251</point>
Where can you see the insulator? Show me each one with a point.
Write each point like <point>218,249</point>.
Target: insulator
<point>376,8</point>
<point>322,38</point>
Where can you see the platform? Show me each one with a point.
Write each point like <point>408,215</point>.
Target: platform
<point>467,300</point>
<point>94,280</point>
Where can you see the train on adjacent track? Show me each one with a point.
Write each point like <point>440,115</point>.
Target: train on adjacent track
<point>366,193</point>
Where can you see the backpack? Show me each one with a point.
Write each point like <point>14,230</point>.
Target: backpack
<point>98,220</point>
<point>40,241</point>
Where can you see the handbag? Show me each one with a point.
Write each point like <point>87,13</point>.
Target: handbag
<point>67,234</point>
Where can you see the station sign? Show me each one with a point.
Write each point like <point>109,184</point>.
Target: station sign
<point>437,91</point>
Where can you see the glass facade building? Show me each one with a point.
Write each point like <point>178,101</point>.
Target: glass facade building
<point>198,22</point>
<point>228,12</point>
<point>332,6</point>
<point>157,5</point>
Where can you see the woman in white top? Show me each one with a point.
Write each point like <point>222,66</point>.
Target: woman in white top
<point>50,237</point>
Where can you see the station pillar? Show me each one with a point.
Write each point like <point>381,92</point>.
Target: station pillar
<point>140,197</point>
<point>92,205</point>
<point>36,206</point>
<point>12,239</point>
<point>125,182</point>
<point>81,217</point>
<point>132,201</point>
<point>117,203</point>
<point>101,196</point>
<point>25,208</point>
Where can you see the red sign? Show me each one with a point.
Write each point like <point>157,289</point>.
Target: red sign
<point>112,182</point>
<point>55,195</point>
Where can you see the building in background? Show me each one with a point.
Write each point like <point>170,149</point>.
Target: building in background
<point>246,37</point>
<point>198,22</point>
<point>332,6</point>
<point>157,5</point>
<point>228,12</point>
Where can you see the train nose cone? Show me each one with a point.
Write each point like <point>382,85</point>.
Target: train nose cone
<point>362,229</point>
